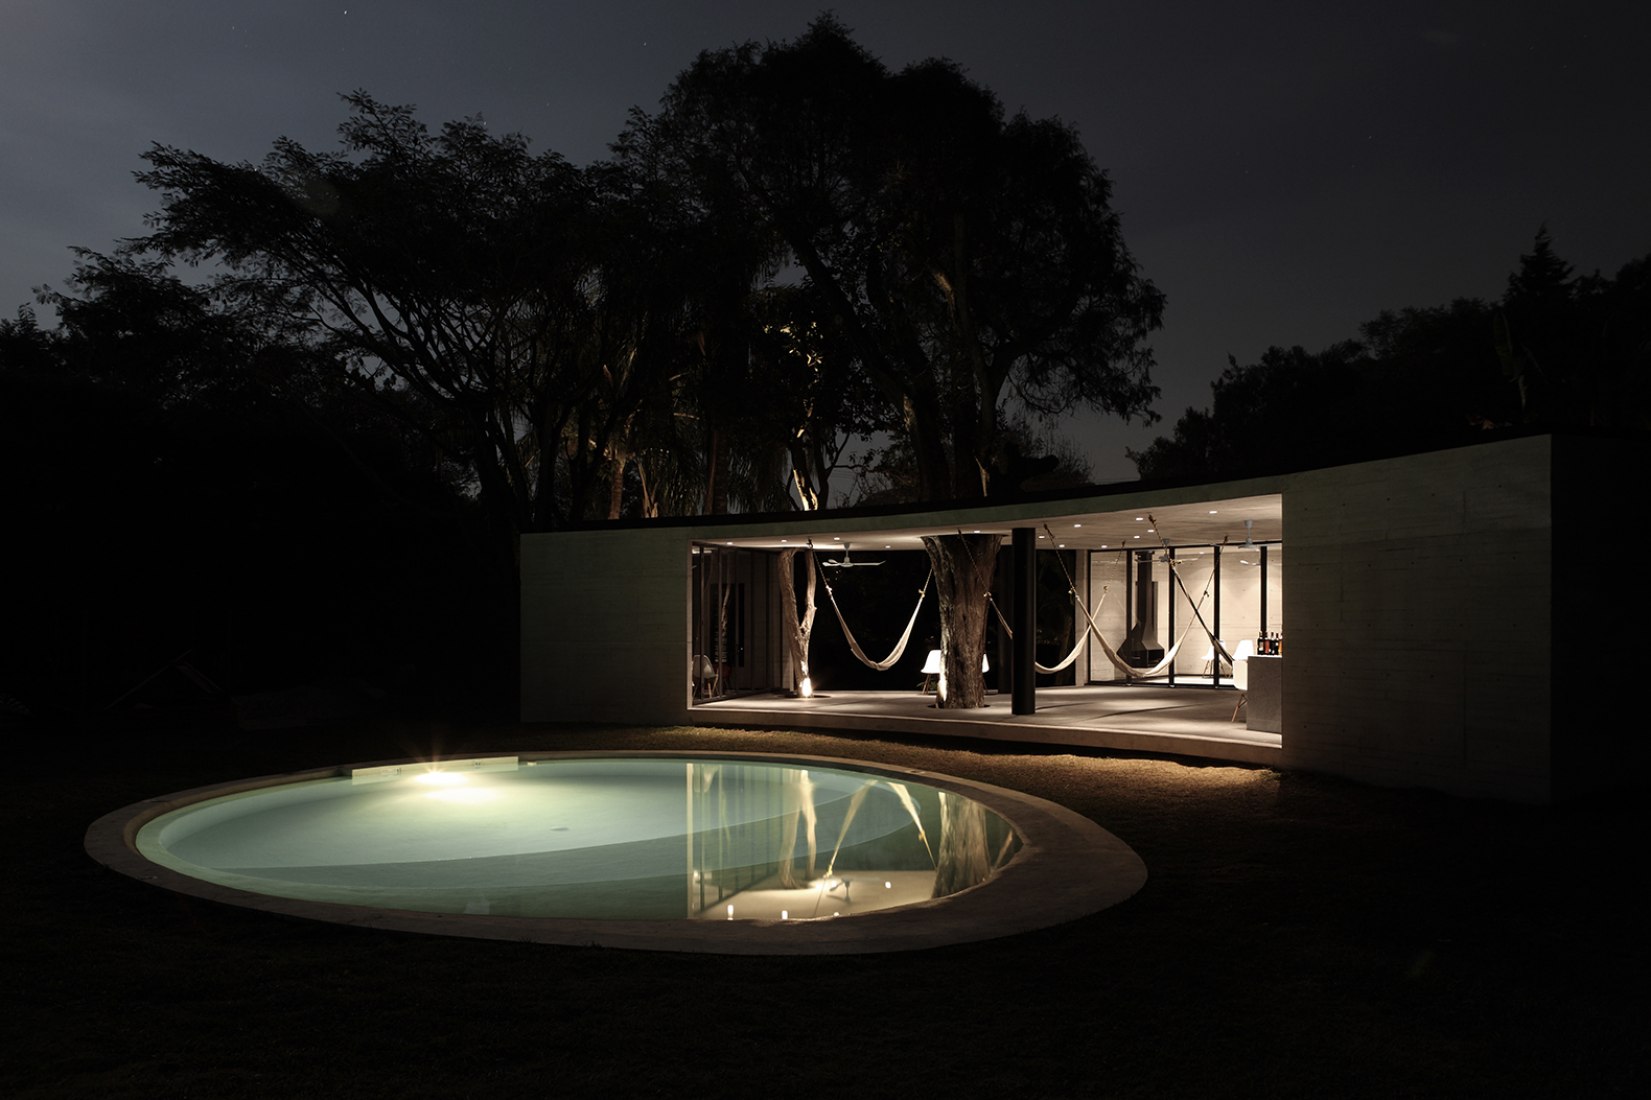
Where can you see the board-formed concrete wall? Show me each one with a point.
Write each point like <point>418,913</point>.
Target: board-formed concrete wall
<point>1420,605</point>
<point>605,626</point>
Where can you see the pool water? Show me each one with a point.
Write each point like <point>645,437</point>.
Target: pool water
<point>622,838</point>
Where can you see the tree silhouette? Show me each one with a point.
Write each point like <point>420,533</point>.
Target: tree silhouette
<point>960,259</point>
<point>454,265</point>
<point>1558,351</point>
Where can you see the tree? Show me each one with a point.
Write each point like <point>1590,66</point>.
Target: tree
<point>1576,348</point>
<point>192,480</point>
<point>453,265</point>
<point>1557,351</point>
<point>961,259</point>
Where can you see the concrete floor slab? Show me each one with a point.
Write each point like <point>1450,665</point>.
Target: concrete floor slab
<point>1182,721</point>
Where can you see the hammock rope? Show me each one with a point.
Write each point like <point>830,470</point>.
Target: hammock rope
<point>1092,628</point>
<point>1214,641</point>
<point>1083,635</point>
<point>854,646</point>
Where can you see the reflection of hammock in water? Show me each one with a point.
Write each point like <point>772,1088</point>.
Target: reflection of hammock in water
<point>899,647</point>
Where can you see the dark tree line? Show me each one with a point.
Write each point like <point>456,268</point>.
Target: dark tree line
<point>262,526</point>
<point>1556,351</point>
<point>328,376</point>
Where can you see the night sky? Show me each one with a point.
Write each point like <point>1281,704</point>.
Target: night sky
<point>1284,171</point>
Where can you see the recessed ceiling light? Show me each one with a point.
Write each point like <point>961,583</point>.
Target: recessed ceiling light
<point>1077,525</point>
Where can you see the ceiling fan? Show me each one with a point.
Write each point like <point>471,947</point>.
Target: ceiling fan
<point>1248,544</point>
<point>845,563</point>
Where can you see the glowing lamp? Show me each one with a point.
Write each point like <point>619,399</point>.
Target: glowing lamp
<point>931,666</point>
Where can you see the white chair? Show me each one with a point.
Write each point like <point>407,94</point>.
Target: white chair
<point>931,670</point>
<point>706,681</point>
<point>1241,674</point>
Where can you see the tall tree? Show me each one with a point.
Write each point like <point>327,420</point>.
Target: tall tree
<point>1577,347</point>
<point>1558,351</point>
<point>963,260</point>
<point>194,480</point>
<point>452,264</point>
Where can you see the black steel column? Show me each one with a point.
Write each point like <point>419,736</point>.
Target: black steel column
<point>1215,653</point>
<point>1023,579</point>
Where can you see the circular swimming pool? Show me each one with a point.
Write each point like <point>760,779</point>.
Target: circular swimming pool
<point>734,853</point>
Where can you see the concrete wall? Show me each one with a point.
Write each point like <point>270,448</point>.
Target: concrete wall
<point>605,626</point>
<point>1419,597</point>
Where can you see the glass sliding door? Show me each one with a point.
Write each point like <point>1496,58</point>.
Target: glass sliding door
<point>1236,590</point>
<point>737,638</point>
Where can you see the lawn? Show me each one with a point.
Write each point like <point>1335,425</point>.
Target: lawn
<point>1297,936</point>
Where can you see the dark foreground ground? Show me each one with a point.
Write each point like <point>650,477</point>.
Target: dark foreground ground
<point>1298,936</point>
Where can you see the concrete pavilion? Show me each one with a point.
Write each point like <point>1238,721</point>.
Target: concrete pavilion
<point>1432,612</point>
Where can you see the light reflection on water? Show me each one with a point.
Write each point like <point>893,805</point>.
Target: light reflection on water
<point>598,838</point>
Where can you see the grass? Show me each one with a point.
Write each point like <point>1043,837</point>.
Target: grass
<point>1298,936</point>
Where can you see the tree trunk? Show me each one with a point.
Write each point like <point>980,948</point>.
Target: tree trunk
<point>963,567</point>
<point>616,482</point>
<point>797,631</point>
<point>716,475</point>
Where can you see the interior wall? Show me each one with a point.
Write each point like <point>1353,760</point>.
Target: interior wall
<point>1240,604</point>
<point>1240,599</point>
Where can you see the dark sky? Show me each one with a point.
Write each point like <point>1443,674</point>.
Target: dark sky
<point>1283,170</point>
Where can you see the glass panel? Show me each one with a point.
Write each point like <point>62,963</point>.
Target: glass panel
<point>1195,566</point>
<point>1107,578</point>
<point>1240,600</point>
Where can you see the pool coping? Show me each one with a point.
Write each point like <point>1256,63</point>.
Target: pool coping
<point>1067,867</point>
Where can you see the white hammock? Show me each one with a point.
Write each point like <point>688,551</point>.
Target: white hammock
<point>1129,670</point>
<point>899,647</point>
<point>1083,636</point>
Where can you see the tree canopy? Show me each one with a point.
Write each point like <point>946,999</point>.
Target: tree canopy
<point>1556,351</point>
<point>965,261</point>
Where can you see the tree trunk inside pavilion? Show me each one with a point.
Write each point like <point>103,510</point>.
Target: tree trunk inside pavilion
<point>963,566</point>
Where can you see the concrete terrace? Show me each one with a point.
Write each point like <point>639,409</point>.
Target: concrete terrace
<point>1189,721</point>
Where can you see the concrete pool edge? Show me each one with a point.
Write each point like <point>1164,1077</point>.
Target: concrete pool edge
<point>1068,867</point>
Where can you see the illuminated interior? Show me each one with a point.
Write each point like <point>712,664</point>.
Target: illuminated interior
<point>1150,580</point>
